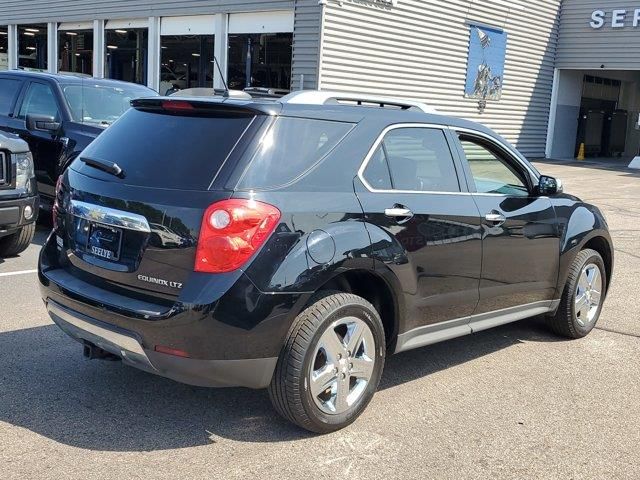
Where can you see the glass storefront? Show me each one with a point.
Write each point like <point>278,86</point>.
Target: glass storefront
<point>32,46</point>
<point>75,51</point>
<point>186,62</point>
<point>4,48</point>
<point>126,54</point>
<point>260,60</point>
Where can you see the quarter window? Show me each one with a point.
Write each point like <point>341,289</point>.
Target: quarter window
<point>413,159</point>
<point>492,173</point>
<point>39,101</point>
<point>291,148</point>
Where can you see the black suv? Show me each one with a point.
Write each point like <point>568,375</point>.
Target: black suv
<point>18,196</point>
<point>59,115</point>
<point>292,244</point>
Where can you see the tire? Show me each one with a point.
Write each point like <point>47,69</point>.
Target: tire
<point>576,320</point>
<point>310,348</point>
<point>17,242</point>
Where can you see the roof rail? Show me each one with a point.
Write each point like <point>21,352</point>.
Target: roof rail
<point>317,97</point>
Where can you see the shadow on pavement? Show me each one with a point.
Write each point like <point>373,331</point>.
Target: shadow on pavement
<point>616,165</point>
<point>47,387</point>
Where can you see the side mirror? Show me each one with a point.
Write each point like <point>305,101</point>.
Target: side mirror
<point>42,123</point>
<point>549,186</point>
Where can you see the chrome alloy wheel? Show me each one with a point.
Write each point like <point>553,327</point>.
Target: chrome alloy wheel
<point>588,294</point>
<point>342,365</point>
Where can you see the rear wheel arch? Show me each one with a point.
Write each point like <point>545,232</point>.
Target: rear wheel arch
<point>377,290</point>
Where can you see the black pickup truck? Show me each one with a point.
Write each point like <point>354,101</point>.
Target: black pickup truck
<point>59,115</point>
<point>18,196</point>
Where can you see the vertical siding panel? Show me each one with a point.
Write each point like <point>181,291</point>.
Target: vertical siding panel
<point>306,44</point>
<point>418,49</point>
<point>582,47</point>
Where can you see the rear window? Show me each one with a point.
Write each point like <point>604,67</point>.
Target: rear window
<point>166,151</point>
<point>292,147</point>
<point>8,92</point>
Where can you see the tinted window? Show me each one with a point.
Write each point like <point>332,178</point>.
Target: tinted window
<point>9,89</point>
<point>420,160</point>
<point>166,151</point>
<point>102,104</point>
<point>39,100</point>
<point>491,172</point>
<point>377,172</point>
<point>291,148</point>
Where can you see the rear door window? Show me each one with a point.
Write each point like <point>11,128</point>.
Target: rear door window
<point>9,89</point>
<point>39,100</point>
<point>291,148</point>
<point>166,151</point>
<point>414,160</point>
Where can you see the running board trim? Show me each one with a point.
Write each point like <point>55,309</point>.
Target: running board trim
<point>423,336</point>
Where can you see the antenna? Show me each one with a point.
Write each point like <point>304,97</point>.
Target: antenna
<point>224,82</point>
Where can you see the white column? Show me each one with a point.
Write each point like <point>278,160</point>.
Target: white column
<point>52,47</point>
<point>153,63</point>
<point>13,47</point>
<point>98,48</point>
<point>221,49</point>
<point>552,113</point>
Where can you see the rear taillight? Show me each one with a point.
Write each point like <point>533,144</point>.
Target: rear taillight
<point>232,231</point>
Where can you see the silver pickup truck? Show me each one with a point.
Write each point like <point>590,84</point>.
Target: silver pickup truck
<point>19,202</point>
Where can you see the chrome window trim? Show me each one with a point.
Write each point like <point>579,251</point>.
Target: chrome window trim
<point>507,148</point>
<point>377,143</point>
<point>109,216</point>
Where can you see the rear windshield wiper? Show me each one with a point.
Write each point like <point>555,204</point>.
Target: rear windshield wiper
<point>104,165</point>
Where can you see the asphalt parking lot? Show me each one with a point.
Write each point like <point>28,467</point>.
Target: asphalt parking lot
<point>514,402</point>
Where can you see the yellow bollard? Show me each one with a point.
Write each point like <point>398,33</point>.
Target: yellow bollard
<point>581,152</point>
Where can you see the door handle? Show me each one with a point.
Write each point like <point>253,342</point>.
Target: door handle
<point>399,212</point>
<point>497,219</point>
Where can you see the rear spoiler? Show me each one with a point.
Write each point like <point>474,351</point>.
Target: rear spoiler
<point>205,106</point>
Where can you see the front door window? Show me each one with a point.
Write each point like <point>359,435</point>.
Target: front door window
<point>491,172</point>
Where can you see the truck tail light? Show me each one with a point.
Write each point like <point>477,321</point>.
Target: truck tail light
<point>232,231</point>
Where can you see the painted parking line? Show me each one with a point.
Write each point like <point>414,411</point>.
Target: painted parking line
<point>21,272</point>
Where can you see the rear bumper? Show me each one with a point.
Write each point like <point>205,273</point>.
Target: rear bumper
<point>12,213</point>
<point>251,373</point>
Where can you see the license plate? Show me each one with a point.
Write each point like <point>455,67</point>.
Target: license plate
<point>105,242</point>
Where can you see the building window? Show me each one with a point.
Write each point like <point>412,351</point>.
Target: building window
<point>4,48</point>
<point>186,62</point>
<point>75,51</point>
<point>126,54</point>
<point>32,46</point>
<point>260,60</point>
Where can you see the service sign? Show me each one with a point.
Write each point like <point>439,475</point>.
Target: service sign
<point>618,18</point>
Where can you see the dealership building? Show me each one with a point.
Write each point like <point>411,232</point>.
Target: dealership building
<point>549,75</point>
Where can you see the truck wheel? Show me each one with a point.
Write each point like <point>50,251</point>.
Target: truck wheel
<point>17,242</point>
<point>331,363</point>
<point>582,298</point>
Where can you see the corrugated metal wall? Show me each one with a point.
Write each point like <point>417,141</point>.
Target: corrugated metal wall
<point>306,45</point>
<point>20,11</point>
<point>583,47</point>
<point>419,49</point>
